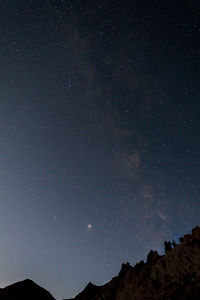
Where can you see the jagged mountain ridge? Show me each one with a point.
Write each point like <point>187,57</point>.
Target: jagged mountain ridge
<point>175,275</point>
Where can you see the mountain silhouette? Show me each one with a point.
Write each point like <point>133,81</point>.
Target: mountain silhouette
<point>25,290</point>
<point>175,275</point>
<point>172,276</point>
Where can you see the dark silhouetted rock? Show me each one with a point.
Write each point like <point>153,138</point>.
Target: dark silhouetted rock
<point>174,244</point>
<point>168,246</point>
<point>175,275</point>
<point>25,290</point>
<point>152,257</point>
<point>89,292</point>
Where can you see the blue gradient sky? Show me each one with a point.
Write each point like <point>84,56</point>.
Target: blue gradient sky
<point>99,125</point>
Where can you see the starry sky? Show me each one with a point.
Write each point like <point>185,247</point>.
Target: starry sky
<point>99,136</point>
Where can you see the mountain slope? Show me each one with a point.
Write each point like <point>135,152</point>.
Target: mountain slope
<point>26,289</point>
<point>175,275</point>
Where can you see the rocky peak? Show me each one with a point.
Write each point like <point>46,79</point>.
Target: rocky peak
<point>152,257</point>
<point>26,289</point>
<point>124,268</point>
<point>174,275</point>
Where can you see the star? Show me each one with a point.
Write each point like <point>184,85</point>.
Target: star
<point>89,226</point>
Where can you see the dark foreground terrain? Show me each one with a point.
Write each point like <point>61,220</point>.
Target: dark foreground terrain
<point>175,275</point>
<point>26,289</point>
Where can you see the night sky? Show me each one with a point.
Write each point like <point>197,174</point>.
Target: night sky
<point>99,136</point>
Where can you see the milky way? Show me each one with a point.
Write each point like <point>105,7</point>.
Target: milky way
<point>99,139</point>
